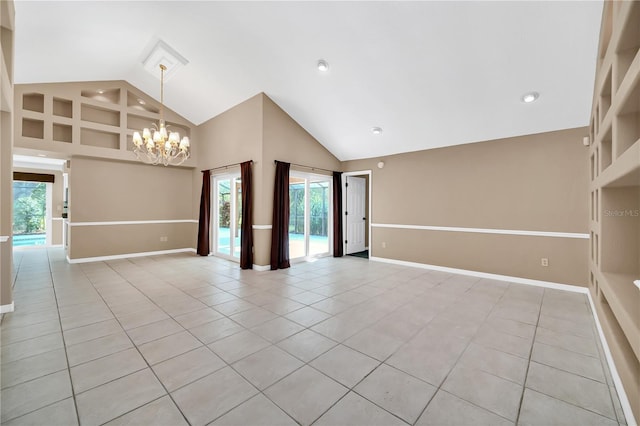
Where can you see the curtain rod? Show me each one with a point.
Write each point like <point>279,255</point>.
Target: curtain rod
<point>307,167</point>
<point>227,166</point>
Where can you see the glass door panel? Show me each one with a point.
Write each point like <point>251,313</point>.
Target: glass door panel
<point>228,216</point>
<point>319,203</point>
<point>309,218</point>
<point>297,208</point>
<point>30,213</point>
<point>223,196</point>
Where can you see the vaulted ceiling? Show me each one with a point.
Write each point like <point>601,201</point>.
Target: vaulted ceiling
<point>430,74</point>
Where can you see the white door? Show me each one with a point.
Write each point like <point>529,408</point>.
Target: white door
<point>355,216</point>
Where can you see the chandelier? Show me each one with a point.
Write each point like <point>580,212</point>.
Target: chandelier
<point>157,145</point>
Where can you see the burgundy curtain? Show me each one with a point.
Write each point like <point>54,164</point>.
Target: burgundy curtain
<point>337,214</point>
<point>246,233</point>
<point>205,214</point>
<point>280,222</point>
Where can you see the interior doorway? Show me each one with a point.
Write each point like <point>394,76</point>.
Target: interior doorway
<point>31,214</point>
<point>356,202</point>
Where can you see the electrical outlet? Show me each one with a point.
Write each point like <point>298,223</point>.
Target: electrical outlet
<point>384,244</point>
<point>164,239</point>
<point>544,261</point>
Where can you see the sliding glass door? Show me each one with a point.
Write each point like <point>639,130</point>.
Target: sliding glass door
<point>309,215</point>
<point>227,216</point>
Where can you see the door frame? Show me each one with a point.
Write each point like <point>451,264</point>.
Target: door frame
<point>368,209</point>
<point>307,221</point>
<point>213,241</point>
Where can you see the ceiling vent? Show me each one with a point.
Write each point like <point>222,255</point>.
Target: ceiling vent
<point>164,54</point>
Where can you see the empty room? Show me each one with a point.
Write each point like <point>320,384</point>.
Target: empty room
<point>319,213</point>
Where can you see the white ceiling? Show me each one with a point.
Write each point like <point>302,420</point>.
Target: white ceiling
<point>431,74</point>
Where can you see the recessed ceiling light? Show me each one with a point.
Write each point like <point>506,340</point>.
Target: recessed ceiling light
<point>527,98</point>
<point>41,155</point>
<point>100,91</point>
<point>141,101</point>
<point>323,65</point>
<point>376,130</point>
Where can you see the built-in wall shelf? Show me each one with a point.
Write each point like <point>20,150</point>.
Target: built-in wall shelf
<point>614,161</point>
<point>62,108</point>
<point>33,102</point>
<point>88,118</point>
<point>625,297</point>
<point>627,168</point>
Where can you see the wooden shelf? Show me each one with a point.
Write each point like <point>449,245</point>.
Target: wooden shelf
<point>99,138</point>
<point>614,188</point>
<point>33,102</point>
<point>62,108</point>
<point>105,98</point>
<point>624,171</point>
<point>624,298</point>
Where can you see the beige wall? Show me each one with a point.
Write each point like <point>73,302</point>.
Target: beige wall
<point>257,130</point>
<point>108,191</point>
<point>284,140</point>
<point>534,183</point>
<point>232,137</point>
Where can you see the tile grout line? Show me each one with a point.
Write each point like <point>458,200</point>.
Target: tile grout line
<point>439,387</point>
<point>138,350</point>
<point>55,293</point>
<point>533,342</point>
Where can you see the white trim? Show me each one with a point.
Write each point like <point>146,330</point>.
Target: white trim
<point>48,213</point>
<point>128,255</point>
<point>57,218</point>
<point>484,230</point>
<point>622,395</point>
<point>131,222</point>
<point>7,308</point>
<point>517,280</point>
<point>4,239</point>
<point>261,268</point>
<point>262,227</point>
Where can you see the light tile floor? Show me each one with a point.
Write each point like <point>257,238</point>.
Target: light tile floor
<point>182,339</point>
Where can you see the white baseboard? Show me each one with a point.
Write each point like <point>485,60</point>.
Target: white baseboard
<point>128,255</point>
<point>517,280</point>
<point>617,381</point>
<point>7,308</point>
<point>624,400</point>
<point>261,268</point>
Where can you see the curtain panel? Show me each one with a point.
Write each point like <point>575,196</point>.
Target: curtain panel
<point>337,215</point>
<point>246,233</point>
<point>205,215</point>
<point>280,222</point>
